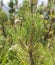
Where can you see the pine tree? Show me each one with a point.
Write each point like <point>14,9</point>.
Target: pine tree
<point>1,2</point>
<point>11,5</point>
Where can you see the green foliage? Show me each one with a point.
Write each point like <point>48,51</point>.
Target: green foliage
<point>3,17</point>
<point>12,18</point>
<point>33,43</point>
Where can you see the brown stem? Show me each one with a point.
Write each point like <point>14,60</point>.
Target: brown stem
<point>32,29</point>
<point>3,29</point>
<point>31,58</point>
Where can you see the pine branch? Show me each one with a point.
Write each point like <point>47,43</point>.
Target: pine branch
<point>47,34</point>
<point>23,46</point>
